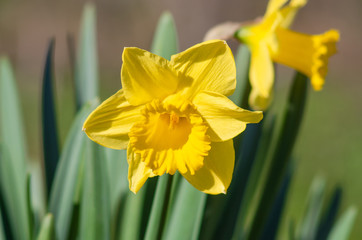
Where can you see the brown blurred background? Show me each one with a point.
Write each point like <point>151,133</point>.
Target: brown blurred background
<point>330,144</point>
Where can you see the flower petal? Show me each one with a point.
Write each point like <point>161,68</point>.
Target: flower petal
<point>109,124</point>
<point>306,53</point>
<point>146,76</point>
<point>290,11</point>
<point>226,120</point>
<point>210,66</point>
<point>138,172</point>
<point>261,75</point>
<point>215,176</point>
<point>274,5</point>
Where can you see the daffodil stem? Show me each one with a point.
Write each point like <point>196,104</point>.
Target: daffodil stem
<point>281,156</point>
<point>166,204</point>
<point>160,204</point>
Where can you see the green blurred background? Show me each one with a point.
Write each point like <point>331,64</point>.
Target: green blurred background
<point>330,143</point>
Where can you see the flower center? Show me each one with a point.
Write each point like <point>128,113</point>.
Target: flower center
<point>174,119</point>
<point>171,136</point>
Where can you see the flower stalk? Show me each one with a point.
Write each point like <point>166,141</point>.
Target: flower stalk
<point>292,119</point>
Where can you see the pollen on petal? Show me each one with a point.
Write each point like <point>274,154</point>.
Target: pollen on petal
<point>172,136</point>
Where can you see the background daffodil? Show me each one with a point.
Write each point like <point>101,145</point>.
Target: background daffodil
<point>175,116</point>
<point>270,41</point>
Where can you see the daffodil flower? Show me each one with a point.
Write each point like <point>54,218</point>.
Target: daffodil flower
<point>175,116</point>
<point>270,41</point>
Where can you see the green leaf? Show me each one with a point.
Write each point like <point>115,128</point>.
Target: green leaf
<point>272,225</point>
<point>330,214</point>
<point>47,231</point>
<point>94,208</point>
<point>291,230</point>
<point>2,232</point>
<point>49,125</point>
<point>256,178</point>
<point>241,94</point>
<point>343,227</point>
<point>29,206</point>
<point>13,160</point>
<point>187,213</point>
<point>245,162</point>
<point>287,136</point>
<point>66,176</point>
<point>309,224</point>
<point>131,217</point>
<point>87,60</point>
<point>117,168</point>
<point>165,42</point>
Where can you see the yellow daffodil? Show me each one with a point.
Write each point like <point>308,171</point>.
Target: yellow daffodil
<point>270,41</point>
<point>175,116</point>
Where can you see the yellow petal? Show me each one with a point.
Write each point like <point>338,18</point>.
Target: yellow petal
<point>261,75</point>
<point>109,124</point>
<point>226,120</point>
<point>138,172</point>
<point>146,76</point>
<point>289,12</point>
<point>274,5</point>
<point>258,101</point>
<point>261,33</point>
<point>215,176</point>
<point>308,54</point>
<point>207,66</point>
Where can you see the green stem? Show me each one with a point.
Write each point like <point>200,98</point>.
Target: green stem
<point>161,201</point>
<point>281,156</point>
<point>166,204</point>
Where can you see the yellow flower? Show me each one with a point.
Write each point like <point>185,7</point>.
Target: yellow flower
<point>271,41</point>
<point>175,116</point>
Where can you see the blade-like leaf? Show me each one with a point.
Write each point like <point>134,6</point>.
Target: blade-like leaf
<point>74,222</point>
<point>4,216</point>
<point>165,41</point>
<point>330,215</point>
<point>272,226</point>
<point>116,161</point>
<point>287,136</point>
<point>87,60</point>
<point>343,227</point>
<point>47,231</point>
<point>291,230</point>
<point>241,94</point>
<point>309,224</point>
<point>117,175</point>
<point>66,176</point>
<point>187,213</point>
<point>13,160</point>
<point>95,203</point>
<point>256,178</point>
<point>237,188</point>
<point>2,232</point>
<point>131,216</point>
<point>49,126</point>
<point>29,206</point>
